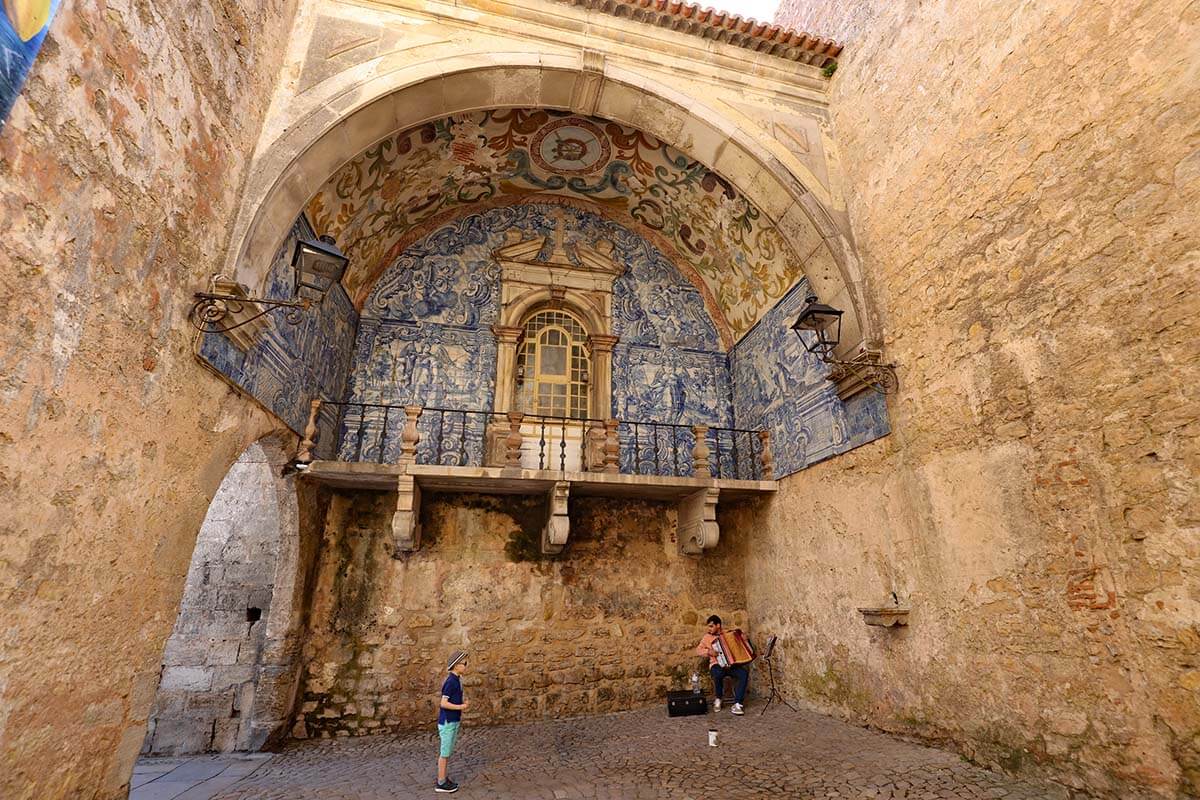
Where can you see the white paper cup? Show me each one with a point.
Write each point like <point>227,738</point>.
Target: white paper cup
<point>712,737</point>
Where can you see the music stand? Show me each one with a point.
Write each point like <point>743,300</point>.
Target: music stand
<point>775,693</point>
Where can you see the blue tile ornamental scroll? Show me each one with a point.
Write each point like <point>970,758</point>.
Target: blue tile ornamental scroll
<point>23,27</point>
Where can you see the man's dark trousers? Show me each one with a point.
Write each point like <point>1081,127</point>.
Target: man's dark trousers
<point>740,675</point>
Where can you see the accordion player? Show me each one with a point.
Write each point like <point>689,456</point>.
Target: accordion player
<point>733,648</point>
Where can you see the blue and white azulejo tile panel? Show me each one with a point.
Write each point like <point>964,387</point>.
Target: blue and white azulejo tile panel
<point>290,365</point>
<point>425,334</point>
<point>779,386</point>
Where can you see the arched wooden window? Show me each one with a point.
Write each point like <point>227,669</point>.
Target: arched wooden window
<point>553,366</point>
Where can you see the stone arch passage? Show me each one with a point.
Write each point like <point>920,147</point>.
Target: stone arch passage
<point>227,680</point>
<point>291,169</point>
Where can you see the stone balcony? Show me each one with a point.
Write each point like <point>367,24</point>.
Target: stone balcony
<point>411,449</point>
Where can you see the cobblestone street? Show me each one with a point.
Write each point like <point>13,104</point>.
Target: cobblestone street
<point>639,754</point>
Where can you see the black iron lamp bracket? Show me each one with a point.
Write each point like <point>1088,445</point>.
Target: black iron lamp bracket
<point>219,313</point>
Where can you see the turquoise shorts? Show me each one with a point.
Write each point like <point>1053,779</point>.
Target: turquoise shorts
<point>448,733</point>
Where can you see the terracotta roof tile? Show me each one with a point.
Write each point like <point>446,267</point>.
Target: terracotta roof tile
<point>721,26</point>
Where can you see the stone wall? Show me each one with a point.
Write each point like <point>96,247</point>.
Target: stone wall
<point>1023,182</point>
<point>120,165</point>
<point>608,625</point>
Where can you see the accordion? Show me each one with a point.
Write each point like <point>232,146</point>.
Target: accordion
<point>733,648</point>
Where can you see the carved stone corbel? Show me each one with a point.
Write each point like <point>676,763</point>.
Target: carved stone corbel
<point>558,524</point>
<point>697,526</point>
<point>406,522</point>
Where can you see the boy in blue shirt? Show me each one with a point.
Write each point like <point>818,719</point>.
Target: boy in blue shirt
<point>451,707</point>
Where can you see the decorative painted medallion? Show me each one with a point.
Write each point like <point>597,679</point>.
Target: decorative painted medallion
<point>572,146</point>
<point>472,161</point>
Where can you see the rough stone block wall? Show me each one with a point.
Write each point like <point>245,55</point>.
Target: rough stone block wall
<point>1023,183</point>
<point>211,663</point>
<point>120,167</point>
<point>608,625</point>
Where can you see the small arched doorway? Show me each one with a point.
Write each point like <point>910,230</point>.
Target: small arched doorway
<point>236,616</point>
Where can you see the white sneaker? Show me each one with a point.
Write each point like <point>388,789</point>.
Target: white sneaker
<point>716,704</point>
<point>737,710</point>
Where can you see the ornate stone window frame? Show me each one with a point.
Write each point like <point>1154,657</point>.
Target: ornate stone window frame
<point>582,286</point>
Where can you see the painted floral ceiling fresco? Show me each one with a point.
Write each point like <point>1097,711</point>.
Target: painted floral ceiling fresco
<point>404,186</point>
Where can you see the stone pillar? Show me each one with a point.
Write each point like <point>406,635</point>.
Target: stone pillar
<point>700,466</point>
<point>601,346</point>
<point>593,447</point>
<point>410,436</point>
<point>765,457</point>
<point>305,455</point>
<point>512,444</point>
<point>507,337</point>
<point>612,447</point>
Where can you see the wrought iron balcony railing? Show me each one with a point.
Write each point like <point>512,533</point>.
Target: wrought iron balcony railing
<point>391,434</point>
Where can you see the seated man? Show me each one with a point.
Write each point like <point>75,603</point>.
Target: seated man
<point>738,672</point>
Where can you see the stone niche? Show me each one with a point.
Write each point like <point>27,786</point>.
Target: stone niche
<point>609,624</point>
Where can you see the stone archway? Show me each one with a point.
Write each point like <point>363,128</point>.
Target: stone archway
<point>228,676</point>
<point>323,135</point>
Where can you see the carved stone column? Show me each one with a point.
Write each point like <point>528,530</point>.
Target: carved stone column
<point>601,346</point>
<point>410,436</point>
<point>305,456</point>
<point>507,337</point>
<point>593,447</point>
<point>700,466</point>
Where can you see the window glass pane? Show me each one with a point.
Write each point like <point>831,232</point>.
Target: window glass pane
<point>555,363</point>
<point>554,360</point>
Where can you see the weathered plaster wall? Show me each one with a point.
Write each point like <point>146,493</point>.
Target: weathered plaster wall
<point>608,625</point>
<point>119,169</point>
<point>1023,184</point>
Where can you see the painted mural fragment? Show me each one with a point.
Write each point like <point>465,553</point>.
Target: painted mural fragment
<point>23,26</point>
<point>735,257</point>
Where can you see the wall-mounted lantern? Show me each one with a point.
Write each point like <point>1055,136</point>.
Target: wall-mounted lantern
<point>825,322</point>
<point>819,328</point>
<point>318,265</point>
<point>228,306</point>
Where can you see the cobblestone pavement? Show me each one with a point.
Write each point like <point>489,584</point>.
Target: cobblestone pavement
<point>633,755</point>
